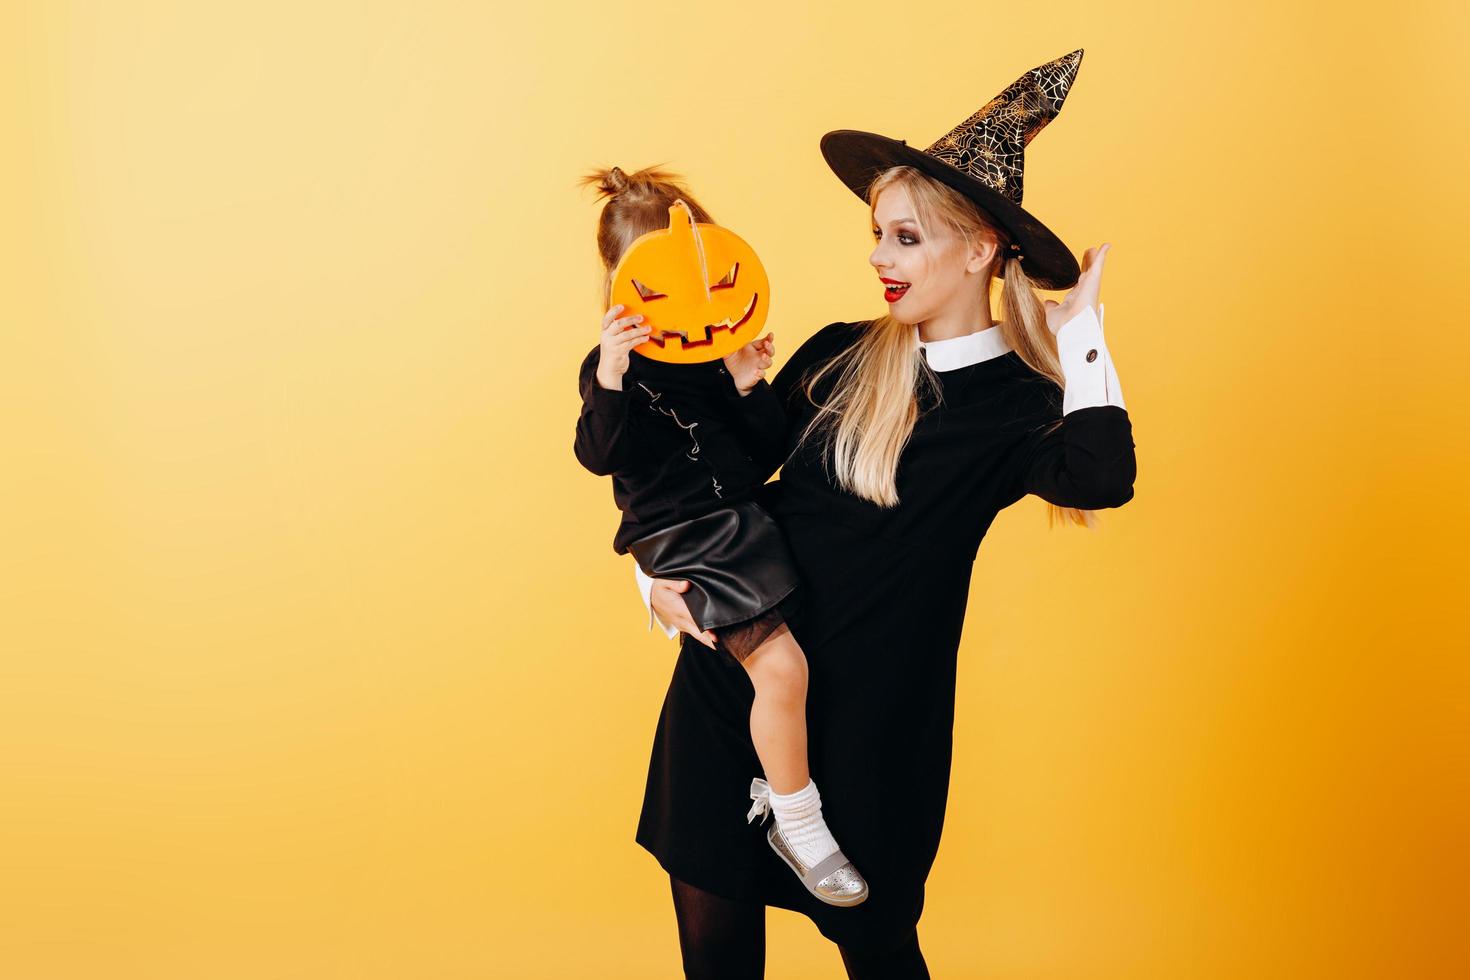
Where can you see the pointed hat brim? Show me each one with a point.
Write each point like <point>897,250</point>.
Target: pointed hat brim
<point>858,158</point>
<point>982,158</point>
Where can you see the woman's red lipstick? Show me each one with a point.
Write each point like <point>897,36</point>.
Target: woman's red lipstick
<point>893,288</point>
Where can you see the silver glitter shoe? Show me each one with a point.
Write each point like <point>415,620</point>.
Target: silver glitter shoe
<point>833,880</point>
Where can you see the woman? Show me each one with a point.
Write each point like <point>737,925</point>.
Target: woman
<point>908,435</point>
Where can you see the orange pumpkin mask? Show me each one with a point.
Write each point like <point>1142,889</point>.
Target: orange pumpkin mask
<point>700,288</point>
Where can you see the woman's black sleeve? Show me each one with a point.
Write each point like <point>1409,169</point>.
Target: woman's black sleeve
<point>761,422</point>
<point>602,426</point>
<point>787,396</point>
<point>1087,461</point>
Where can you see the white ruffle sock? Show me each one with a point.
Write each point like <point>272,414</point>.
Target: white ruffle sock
<point>799,815</point>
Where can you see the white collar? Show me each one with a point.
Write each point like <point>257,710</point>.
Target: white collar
<point>957,352</point>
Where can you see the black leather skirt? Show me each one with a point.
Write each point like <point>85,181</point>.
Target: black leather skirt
<point>741,575</point>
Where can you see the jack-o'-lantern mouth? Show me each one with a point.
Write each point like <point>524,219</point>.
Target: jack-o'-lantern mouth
<point>709,329</point>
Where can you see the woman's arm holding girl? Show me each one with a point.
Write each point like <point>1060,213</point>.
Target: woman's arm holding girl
<point>663,597</point>
<point>761,421</point>
<point>759,416</point>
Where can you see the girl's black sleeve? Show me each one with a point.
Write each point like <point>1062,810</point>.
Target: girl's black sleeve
<point>602,426</point>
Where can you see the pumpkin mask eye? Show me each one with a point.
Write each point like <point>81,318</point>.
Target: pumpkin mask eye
<point>646,293</point>
<point>729,279</point>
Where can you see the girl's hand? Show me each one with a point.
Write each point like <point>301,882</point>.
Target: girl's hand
<point>748,365</point>
<point>671,608</point>
<point>1082,295</point>
<point>619,335</point>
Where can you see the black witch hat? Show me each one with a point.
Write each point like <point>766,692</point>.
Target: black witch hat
<point>982,158</point>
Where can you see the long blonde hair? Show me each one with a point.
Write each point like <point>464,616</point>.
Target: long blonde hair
<point>866,420</point>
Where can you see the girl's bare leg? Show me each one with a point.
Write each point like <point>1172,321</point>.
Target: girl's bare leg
<point>777,670</point>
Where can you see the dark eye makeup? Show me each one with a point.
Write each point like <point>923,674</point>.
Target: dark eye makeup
<point>902,235</point>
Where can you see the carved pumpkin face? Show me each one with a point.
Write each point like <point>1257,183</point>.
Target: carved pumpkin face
<point>700,288</point>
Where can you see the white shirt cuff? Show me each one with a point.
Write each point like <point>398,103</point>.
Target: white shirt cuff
<point>1087,367</point>
<point>645,586</point>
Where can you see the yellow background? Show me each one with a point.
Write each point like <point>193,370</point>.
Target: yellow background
<point>317,661</point>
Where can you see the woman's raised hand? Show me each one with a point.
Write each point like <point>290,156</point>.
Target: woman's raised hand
<point>1082,295</point>
<point>619,335</point>
<point>668,602</point>
<point>747,366</point>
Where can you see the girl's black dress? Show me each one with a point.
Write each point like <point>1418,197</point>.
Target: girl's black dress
<point>884,594</point>
<point>687,451</point>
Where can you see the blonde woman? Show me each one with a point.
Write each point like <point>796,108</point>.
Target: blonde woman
<point>907,435</point>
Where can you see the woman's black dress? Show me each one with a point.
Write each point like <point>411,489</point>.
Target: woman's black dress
<point>884,602</point>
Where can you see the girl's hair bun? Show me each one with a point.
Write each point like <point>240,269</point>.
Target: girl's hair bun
<point>611,181</point>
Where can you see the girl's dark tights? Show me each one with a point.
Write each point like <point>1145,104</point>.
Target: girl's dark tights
<point>722,939</point>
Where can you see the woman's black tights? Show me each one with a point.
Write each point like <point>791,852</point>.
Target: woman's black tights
<point>722,939</point>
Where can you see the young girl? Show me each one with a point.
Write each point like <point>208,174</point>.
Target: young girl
<point>687,446</point>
